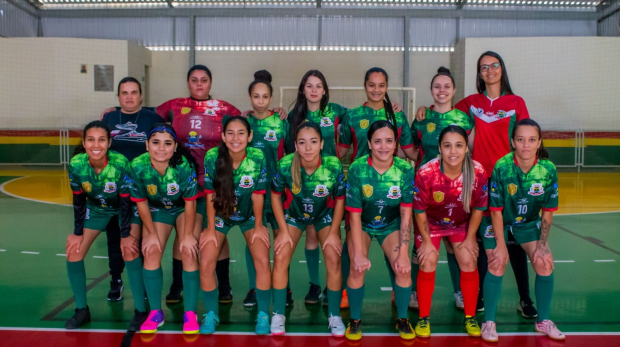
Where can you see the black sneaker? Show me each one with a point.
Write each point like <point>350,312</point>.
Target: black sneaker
<point>137,320</point>
<point>116,290</point>
<point>250,299</point>
<point>289,298</point>
<point>480,304</point>
<point>404,329</point>
<point>80,317</point>
<point>314,294</point>
<point>175,296</point>
<point>225,296</point>
<point>325,297</point>
<point>527,309</point>
<point>354,330</point>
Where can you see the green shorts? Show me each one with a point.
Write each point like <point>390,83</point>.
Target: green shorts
<point>224,226</point>
<point>169,216</point>
<point>525,233</point>
<point>271,219</point>
<point>318,223</point>
<point>98,220</point>
<point>383,232</point>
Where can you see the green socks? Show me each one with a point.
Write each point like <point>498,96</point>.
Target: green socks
<point>312,262</point>
<point>77,278</point>
<point>334,297</point>
<point>262,299</point>
<point>543,288</point>
<point>136,282</point>
<point>414,276</point>
<point>455,272</point>
<point>249,264</point>
<point>401,299</point>
<point>345,264</point>
<point>153,282</point>
<point>191,286</point>
<point>356,296</point>
<point>492,288</point>
<point>210,299</point>
<point>279,300</point>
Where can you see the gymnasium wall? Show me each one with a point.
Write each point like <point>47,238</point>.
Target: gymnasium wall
<point>17,21</point>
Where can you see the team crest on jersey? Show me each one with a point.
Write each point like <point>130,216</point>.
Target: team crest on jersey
<point>367,190</point>
<point>320,191</point>
<point>110,187</point>
<point>536,189</point>
<point>246,181</point>
<point>186,110</point>
<point>87,187</point>
<point>152,189</point>
<point>296,189</point>
<point>394,192</point>
<point>512,189</point>
<point>364,123</point>
<point>446,222</point>
<point>378,222</point>
<point>219,222</point>
<point>271,136</point>
<point>519,220</point>
<point>209,112</point>
<point>489,233</point>
<point>430,127</point>
<point>172,188</point>
<point>326,122</point>
<point>438,196</point>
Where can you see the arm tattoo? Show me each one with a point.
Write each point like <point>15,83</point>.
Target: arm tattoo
<point>403,236</point>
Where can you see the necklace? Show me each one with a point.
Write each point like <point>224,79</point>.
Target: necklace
<point>120,114</point>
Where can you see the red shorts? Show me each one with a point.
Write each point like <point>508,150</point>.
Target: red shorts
<point>436,240</point>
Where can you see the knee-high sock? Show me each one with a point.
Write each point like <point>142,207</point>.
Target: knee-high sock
<point>312,262</point>
<point>77,278</point>
<point>426,287</point>
<point>279,300</point>
<point>469,287</point>
<point>492,290</point>
<point>544,293</point>
<point>153,281</point>
<point>262,299</point>
<point>356,297</point>
<point>191,288</point>
<point>136,282</point>
<point>401,299</point>
<point>249,264</point>
<point>455,272</point>
<point>334,297</point>
<point>210,299</point>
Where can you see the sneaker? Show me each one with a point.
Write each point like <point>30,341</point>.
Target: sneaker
<point>116,290</point>
<point>325,302</point>
<point>137,320</point>
<point>470,325</point>
<point>225,295</point>
<point>480,304</point>
<point>80,317</point>
<point>289,298</point>
<point>413,301</point>
<point>314,294</point>
<point>277,324</point>
<point>337,326</point>
<point>354,330</point>
<point>209,322</point>
<point>250,299</point>
<point>190,323</point>
<point>262,324</point>
<point>175,296</point>
<point>458,300</point>
<point>489,332</point>
<point>345,301</point>
<point>527,309</point>
<point>423,327</point>
<point>154,321</point>
<point>548,328</point>
<point>404,329</point>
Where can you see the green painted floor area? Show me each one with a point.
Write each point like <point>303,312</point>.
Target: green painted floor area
<point>33,286</point>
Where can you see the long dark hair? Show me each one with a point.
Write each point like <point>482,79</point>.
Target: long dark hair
<point>505,83</point>
<point>180,153</point>
<point>225,199</point>
<point>301,106</point>
<point>128,80</point>
<point>387,104</point>
<point>94,124</point>
<point>261,76</point>
<point>199,67</point>
<point>542,152</point>
<point>469,171</point>
<point>296,163</point>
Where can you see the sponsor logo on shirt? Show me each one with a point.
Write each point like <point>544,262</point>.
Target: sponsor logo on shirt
<point>87,187</point>
<point>367,190</point>
<point>430,127</point>
<point>172,188</point>
<point>446,222</point>
<point>320,191</point>
<point>193,140</point>
<point>289,219</point>
<point>536,189</point>
<point>219,222</point>
<point>87,213</point>
<point>522,201</point>
<point>259,145</point>
<point>246,182</point>
<point>271,136</point>
<point>490,117</point>
<point>307,201</point>
<point>378,222</point>
<point>236,216</point>
<point>450,205</point>
<point>512,189</point>
<point>519,220</point>
<point>484,188</point>
<point>110,187</point>
<point>438,196</point>
<point>152,189</point>
<point>305,217</point>
<point>416,190</point>
<point>364,123</point>
<point>326,122</point>
<point>489,233</point>
<point>394,192</point>
<point>380,203</point>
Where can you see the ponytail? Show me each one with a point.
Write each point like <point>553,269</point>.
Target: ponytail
<point>225,199</point>
<point>469,171</point>
<point>177,158</point>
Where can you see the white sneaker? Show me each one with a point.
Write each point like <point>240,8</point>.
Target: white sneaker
<point>489,332</point>
<point>277,324</point>
<point>413,302</point>
<point>458,300</point>
<point>337,326</point>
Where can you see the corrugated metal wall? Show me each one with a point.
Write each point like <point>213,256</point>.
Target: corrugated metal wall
<point>610,26</point>
<point>16,23</point>
<point>375,32</point>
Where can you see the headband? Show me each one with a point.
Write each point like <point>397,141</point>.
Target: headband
<point>164,130</point>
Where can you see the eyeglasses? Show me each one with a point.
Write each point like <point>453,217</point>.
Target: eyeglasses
<point>486,67</point>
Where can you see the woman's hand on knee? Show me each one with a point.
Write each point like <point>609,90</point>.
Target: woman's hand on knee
<point>74,242</point>
<point>130,247</point>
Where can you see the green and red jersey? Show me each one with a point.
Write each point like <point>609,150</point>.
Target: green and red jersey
<point>521,196</point>
<point>441,198</point>
<point>425,133</point>
<point>328,119</point>
<point>494,121</point>
<point>355,126</point>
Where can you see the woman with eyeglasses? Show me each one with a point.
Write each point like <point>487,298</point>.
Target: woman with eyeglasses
<point>495,110</point>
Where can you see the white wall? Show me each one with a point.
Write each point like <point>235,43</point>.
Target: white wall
<point>138,58</point>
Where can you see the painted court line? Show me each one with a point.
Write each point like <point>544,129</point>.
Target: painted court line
<point>3,190</point>
<point>232,261</point>
<point>2,250</point>
<point>386,289</point>
<point>100,257</point>
<point>442,262</point>
<point>61,255</point>
<point>604,261</point>
<point>302,261</point>
<point>26,252</point>
<point>563,261</point>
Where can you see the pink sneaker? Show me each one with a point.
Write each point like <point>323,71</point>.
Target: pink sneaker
<point>190,323</point>
<point>548,328</point>
<point>154,321</point>
<point>489,332</point>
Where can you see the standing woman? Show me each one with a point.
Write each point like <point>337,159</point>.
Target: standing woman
<point>450,195</point>
<point>96,176</point>
<point>164,187</point>
<point>235,183</point>
<point>315,188</point>
<point>524,184</point>
<point>379,200</point>
<point>312,104</point>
